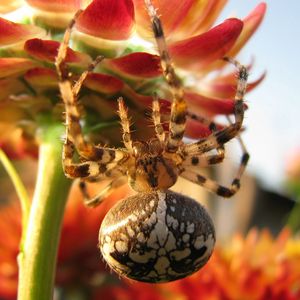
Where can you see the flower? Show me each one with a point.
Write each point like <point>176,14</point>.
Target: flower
<point>119,30</point>
<point>256,267</point>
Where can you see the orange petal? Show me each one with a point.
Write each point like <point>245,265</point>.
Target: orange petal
<point>138,64</point>
<point>171,18</point>
<point>10,86</point>
<point>57,5</point>
<point>103,83</point>
<point>9,5</point>
<point>203,49</point>
<point>41,77</point>
<point>108,19</point>
<point>12,33</point>
<point>14,66</point>
<point>200,18</point>
<point>47,50</point>
<point>251,23</point>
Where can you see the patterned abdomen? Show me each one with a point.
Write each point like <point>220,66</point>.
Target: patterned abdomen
<point>157,237</point>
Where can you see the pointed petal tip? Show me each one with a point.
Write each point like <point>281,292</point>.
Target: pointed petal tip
<point>12,33</point>
<point>207,47</point>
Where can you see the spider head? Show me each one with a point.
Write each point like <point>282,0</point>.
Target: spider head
<point>152,169</point>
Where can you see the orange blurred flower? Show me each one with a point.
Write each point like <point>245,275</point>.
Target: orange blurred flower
<point>78,257</point>
<point>119,30</point>
<point>257,267</point>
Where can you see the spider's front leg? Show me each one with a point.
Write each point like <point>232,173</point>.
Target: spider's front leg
<point>223,136</point>
<point>179,106</point>
<point>196,153</point>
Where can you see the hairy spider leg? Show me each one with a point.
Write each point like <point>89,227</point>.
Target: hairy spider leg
<point>93,201</point>
<point>217,139</point>
<point>74,137</point>
<point>156,117</point>
<point>125,123</point>
<point>221,137</point>
<point>179,106</point>
<point>204,159</point>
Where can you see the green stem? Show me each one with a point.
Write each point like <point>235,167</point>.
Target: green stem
<point>20,189</point>
<point>37,261</point>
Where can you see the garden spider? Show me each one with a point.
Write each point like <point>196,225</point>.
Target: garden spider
<point>156,235</point>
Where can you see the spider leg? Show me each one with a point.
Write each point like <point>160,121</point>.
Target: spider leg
<point>204,160</point>
<point>219,138</point>
<point>98,198</point>
<point>74,136</point>
<point>212,185</point>
<point>125,122</point>
<point>179,107</point>
<point>156,117</point>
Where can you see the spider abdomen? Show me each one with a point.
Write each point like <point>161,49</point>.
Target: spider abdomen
<point>157,237</point>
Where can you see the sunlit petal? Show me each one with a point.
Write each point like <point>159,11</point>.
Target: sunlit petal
<point>9,5</point>
<point>201,17</point>
<point>251,23</point>
<point>58,5</point>
<point>171,18</point>
<point>108,19</point>
<point>207,47</point>
<point>12,33</point>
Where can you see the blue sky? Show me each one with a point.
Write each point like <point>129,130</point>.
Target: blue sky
<point>273,118</point>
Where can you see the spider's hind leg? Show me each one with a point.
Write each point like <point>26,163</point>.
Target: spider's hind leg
<point>93,201</point>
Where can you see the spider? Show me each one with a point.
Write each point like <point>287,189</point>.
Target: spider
<point>156,235</point>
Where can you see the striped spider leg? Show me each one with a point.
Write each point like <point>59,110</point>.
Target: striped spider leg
<point>196,153</point>
<point>99,162</point>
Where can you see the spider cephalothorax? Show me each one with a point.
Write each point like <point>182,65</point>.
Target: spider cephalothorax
<point>152,168</point>
<point>156,235</point>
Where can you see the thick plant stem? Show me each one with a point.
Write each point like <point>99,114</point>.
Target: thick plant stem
<point>37,261</point>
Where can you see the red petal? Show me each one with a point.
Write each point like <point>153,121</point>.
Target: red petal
<point>196,130</point>
<point>251,23</point>
<point>12,33</point>
<point>171,18</point>
<point>47,50</point>
<point>103,83</point>
<point>211,106</point>
<point>41,77</point>
<point>15,66</point>
<point>203,49</point>
<point>57,5</point>
<point>138,64</point>
<point>108,19</point>
<point>226,88</point>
